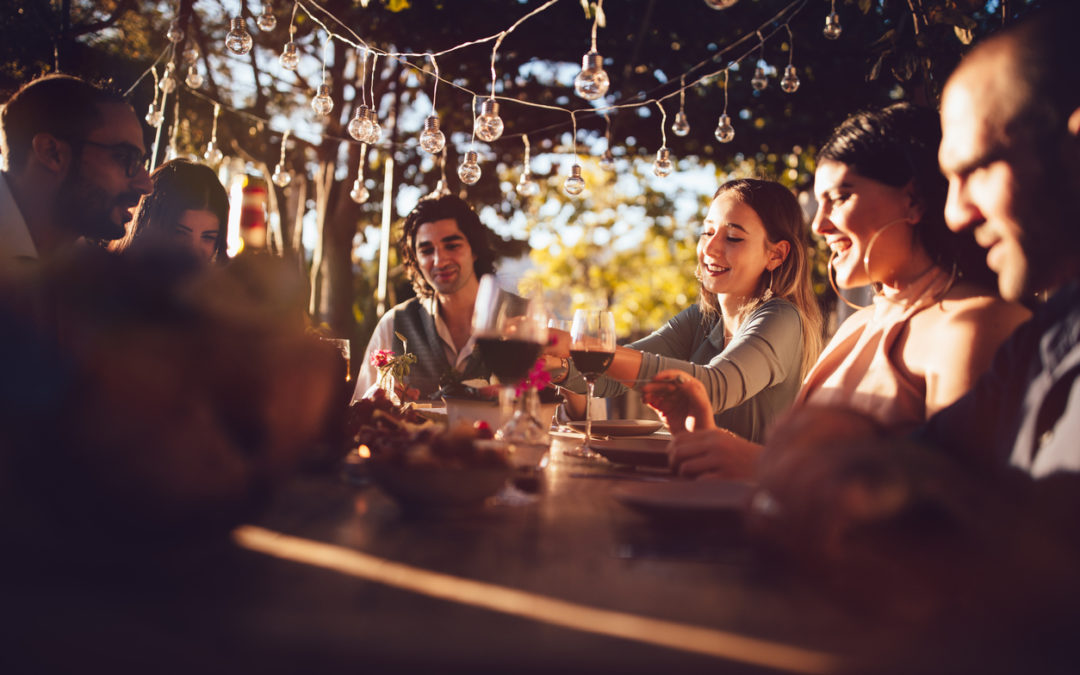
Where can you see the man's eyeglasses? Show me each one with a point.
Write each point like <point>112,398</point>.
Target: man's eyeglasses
<point>125,154</point>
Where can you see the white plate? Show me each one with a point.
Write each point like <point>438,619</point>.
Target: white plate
<point>641,451</point>
<point>684,498</point>
<point>620,427</point>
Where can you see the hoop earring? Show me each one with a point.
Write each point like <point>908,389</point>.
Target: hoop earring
<point>877,285</point>
<point>767,295</point>
<point>832,282</point>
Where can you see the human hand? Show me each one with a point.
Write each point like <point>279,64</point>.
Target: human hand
<point>680,399</point>
<point>717,453</point>
<point>558,344</point>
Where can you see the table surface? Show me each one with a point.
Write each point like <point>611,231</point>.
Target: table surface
<point>336,577</point>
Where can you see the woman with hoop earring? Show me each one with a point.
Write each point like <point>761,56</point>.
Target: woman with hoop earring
<point>935,321</point>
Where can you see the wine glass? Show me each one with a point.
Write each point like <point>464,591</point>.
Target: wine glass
<point>592,348</point>
<point>510,331</point>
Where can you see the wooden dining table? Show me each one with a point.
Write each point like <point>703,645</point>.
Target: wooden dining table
<point>334,576</point>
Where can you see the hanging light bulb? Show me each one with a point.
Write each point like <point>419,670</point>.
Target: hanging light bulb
<point>213,154</point>
<point>720,4</point>
<point>266,21</point>
<point>607,160</point>
<point>290,57</point>
<point>374,131</point>
<point>281,177</point>
<point>592,82</point>
<point>322,104</point>
<point>832,26</point>
<point>759,82</point>
<point>488,126</point>
<point>190,54</point>
<point>238,40</point>
<point>527,187</point>
<point>194,78</point>
<point>575,183</point>
<point>360,126</point>
<point>154,116</point>
<point>663,166</point>
<point>790,82</point>
<point>724,131</point>
<point>359,193</point>
<point>175,34</point>
<point>681,126</point>
<point>432,138</point>
<point>469,171</point>
<point>168,81</point>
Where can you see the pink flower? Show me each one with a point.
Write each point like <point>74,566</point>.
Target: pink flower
<point>538,378</point>
<point>380,358</point>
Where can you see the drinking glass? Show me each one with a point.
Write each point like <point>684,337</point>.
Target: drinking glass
<point>592,348</point>
<point>510,331</point>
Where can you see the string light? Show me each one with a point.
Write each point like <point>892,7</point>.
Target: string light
<point>662,166</point>
<point>432,138</point>
<point>281,177</point>
<point>175,34</point>
<point>592,82</point>
<point>832,28</point>
<point>469,171</point>
<point>194,78</point>
<point>681,127</point>
<point>360,125</point>
<point>323,104</point>
<point>266,21</point>
<point>489,126</point>
<point>759,82</point>
<point>374,131</point>
<point>789,83</point>
<point>238,40</point>
<point>724,133</point>
<point>168,80</point>
<point>154,114</point>
<point>213,154</point>
<point>574,184</point>
<point>290,55</point>
<point>527,187</point>
<point>359,192</point>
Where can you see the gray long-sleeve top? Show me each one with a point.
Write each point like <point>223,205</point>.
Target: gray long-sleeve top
<point>750,380</point>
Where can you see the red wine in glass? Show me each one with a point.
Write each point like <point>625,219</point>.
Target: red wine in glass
<point>591,363</point>
<point>592,347</point>
<point>509,359</point>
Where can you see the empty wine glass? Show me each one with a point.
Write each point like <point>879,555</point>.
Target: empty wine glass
<point>510,331</point>
<point>592,348</point>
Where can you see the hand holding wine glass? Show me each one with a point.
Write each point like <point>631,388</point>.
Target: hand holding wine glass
<point>592,348</point>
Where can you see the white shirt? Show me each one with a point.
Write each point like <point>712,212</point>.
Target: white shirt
<point>15,239</point>
<point>383,338</point>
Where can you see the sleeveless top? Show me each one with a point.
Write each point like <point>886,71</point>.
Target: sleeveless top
<point>862,365</point>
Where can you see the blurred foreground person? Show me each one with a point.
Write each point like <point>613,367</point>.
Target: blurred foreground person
<point>148,401</point>
<point>189,208</point>
<point>74,166</point>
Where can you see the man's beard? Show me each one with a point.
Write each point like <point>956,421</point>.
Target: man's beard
<point>86,210</point>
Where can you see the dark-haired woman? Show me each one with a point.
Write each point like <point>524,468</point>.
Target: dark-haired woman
<point>934,323</point>
<point>757,326</point>
<point>188,208</point>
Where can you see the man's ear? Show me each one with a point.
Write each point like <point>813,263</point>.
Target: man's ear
<point>778,254</point>
<point>51,152</point>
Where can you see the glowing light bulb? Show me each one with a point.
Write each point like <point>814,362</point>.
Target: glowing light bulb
<point>832,26</point>
<point>607,161</point>
<point>154,116</point>
<point>375,130</point>
<point>168,83</point>
<point>759,82</point>
<point>359,193</point>
<point>720,4</point>
<point>360,126</point>
<point>266,21</point>
<point>489,126</point>
<point>213,154</point>
<point>194,78</point>
<point>663,166</point>
<point>190,54</point>
<point>290,57</point>
<point>790,82</point>
<point>575,183</point>
<point>681,126</point>
<point>281,177</point>
<point>238,40</point>
<point>175,34</point>
<point>322,104</point>
<point>469,171</point>
<point>431,138</point>
<point>527,187</point>
<point>724,131</point>
<point>592,82</point>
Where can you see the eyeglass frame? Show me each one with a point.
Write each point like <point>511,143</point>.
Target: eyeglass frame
<point>136,158</point>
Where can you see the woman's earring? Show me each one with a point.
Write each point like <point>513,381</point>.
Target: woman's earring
<point>767,295</point>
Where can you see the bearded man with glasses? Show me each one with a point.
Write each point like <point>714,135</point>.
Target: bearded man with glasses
<point>74,166</point>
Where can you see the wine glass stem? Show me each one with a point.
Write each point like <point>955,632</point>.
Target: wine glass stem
<point>588,413</point>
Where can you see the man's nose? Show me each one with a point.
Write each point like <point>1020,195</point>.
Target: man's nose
<point>960,212</point>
